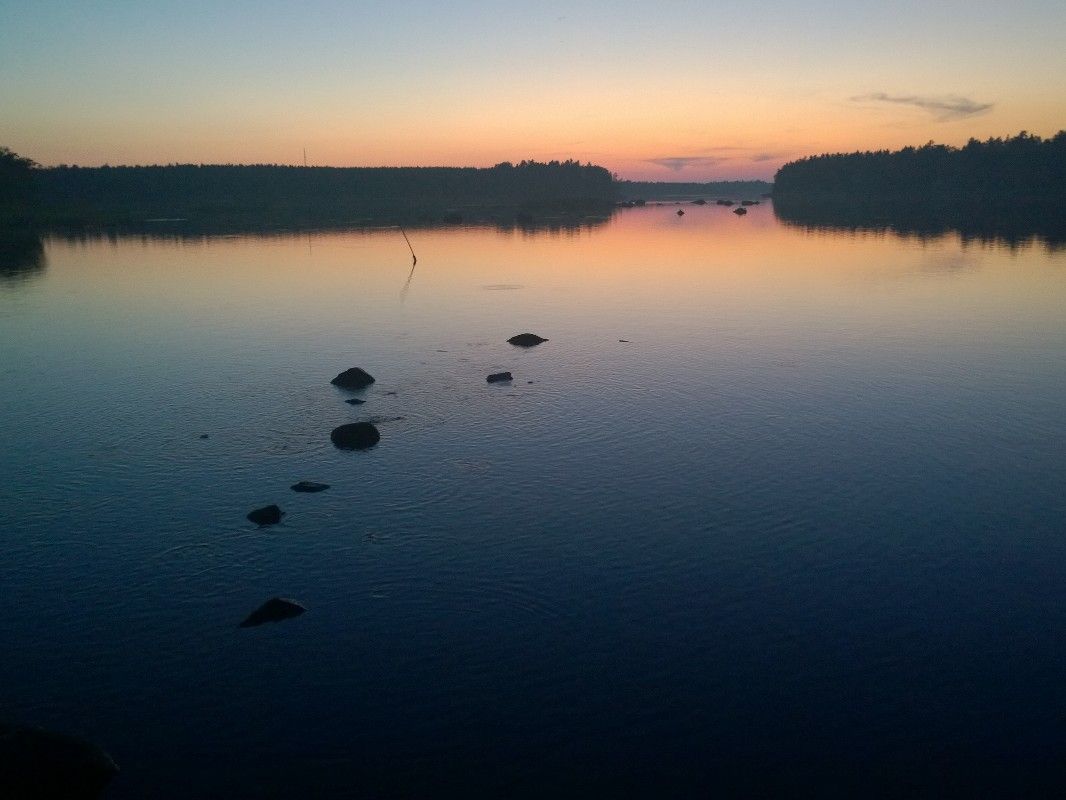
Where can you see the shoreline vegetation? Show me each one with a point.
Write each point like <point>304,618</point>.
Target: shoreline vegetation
<point>1001,189</point>
<point>211,198</point>
<point>1008,189</point>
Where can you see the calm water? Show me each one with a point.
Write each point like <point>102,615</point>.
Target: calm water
<point>805,528</point>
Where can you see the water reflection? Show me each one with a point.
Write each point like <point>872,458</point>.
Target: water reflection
<point>21,256</point>
<point>1013,226</point>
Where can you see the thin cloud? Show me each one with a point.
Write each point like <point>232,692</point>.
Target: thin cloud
<point>946,107</point>
<point>678,163</point>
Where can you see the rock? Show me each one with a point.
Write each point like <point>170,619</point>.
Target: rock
<point>37,764</point>
<point>354,378</point>
<point>526,340</point>
<point>354,401</point>
<point>624,341</point>
<point>699,202</point>
<point>496,377</point>
<point>740,211</point>
<point>268,515</point>
<point>681,212</point>
<point>273,610</point>
<point>309,486</point>
<point>725,202</point>
<point>355,436</point>
<point>204,436</point>
<point>748,202</point>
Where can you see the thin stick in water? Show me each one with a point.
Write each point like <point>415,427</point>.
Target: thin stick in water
<point>414,258</point>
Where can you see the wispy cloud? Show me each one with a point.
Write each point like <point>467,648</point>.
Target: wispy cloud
<point>945,107</point>
<point>678,163</point>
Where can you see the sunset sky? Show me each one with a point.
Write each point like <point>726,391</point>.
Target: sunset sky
<point>657,91</point>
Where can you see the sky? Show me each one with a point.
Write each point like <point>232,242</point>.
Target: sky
<point>674,91</point>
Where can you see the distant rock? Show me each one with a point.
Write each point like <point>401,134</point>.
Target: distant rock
<point>273,610</point>
<point>354,378</point>
<point>699,202</point>
<point>681,212</point>
<point>623,341</point>
<point>725,202</point>
<point>36,764</point>
<point>355,436</point>
<point>309,487</point>
<point>496,377</point>
<point>204,436</point>
<point>526,340</point>
<point>749,202</point>
<point>740,211</point>
<point>268,515</point>
<point>354,401</point>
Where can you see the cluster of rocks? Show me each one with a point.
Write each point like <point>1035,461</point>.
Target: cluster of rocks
<point>350,436</point>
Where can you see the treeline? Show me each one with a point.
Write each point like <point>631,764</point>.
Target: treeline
<point>657,190</point>
<point>1023,168</point>
<point>305,195</point>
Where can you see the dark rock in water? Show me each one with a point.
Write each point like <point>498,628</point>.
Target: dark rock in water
<point>354,401</point>
<point>269,515</point>
<point>725,202</point>
<point>681,212</point>
<point>496,377</point>
<point>624,341</point>
<point>273,610</point>
<point>353,378</point>
<point>36,764</point>
<point>204,436</point>
<point>526,340</point>
<point>355,436</point>
<point>748,202</point>
<point>740,211</point>
<point>309,486</point>
<point>699,202</point>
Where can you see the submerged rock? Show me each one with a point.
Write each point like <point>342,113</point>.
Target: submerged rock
<point>309,486</point>
<point>496,377</point>
<point>354,401</point>
<point>268,515</point>
<point>353,378</point>
<point>526,340</point>
<point>355,436</point>
<point>740,211</point>
<point>273,610</point>
<point>37,764</point>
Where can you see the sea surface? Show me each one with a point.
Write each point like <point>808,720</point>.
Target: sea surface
<point>802,531</point>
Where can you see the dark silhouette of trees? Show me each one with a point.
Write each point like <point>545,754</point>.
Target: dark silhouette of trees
<point>1017,169</point>
<point>18,188</point>
<point>1008,190</point>
<point>313,194</point>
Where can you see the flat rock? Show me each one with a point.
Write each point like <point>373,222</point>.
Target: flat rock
<point>496,377</point>
<point>355,401</point>
<point>36,763</point>
<point>740,211</point>
<point>355,436</point>
<point>273,610</point>
<point>353,378</point>
<point>526,340</point>
<point>268,515</point>
<point>309,486</point>
<point>680,212</point>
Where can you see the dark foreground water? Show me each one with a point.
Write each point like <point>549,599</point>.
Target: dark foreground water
<point>804,531</point>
